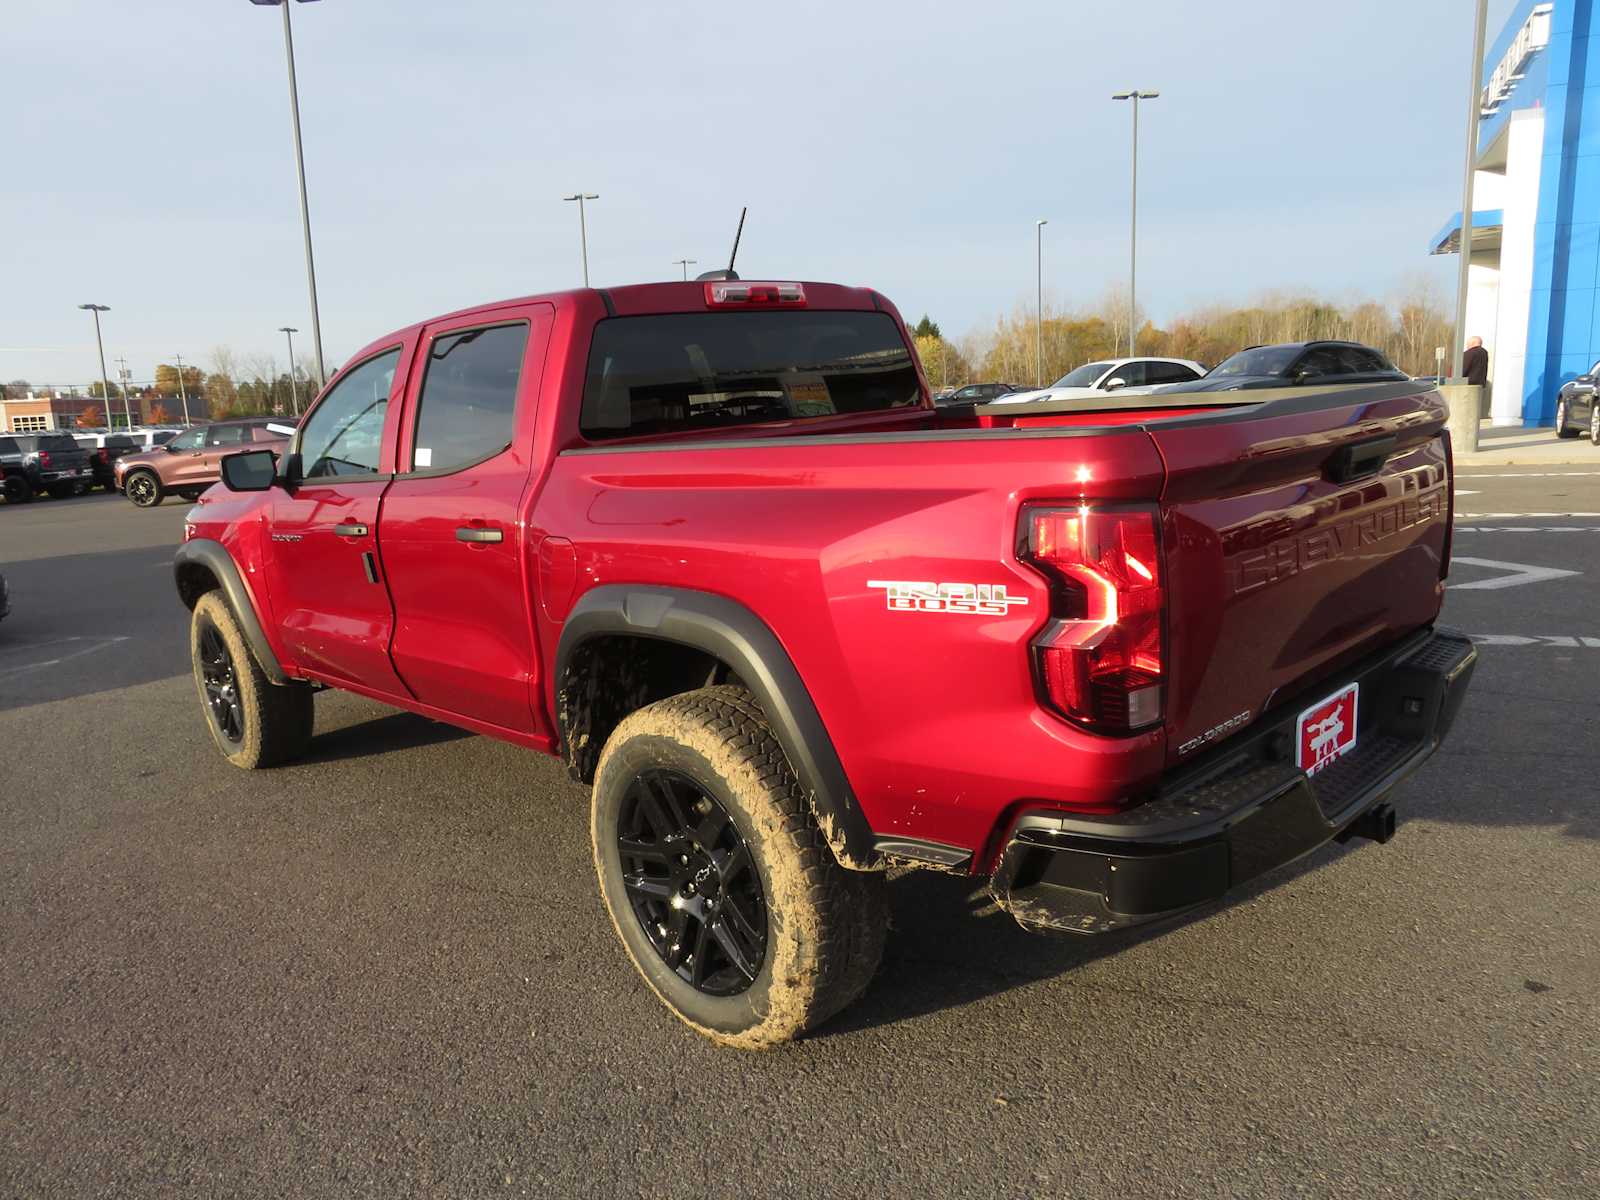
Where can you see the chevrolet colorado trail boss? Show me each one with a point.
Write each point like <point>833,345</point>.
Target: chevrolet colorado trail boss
<point>712,544</point>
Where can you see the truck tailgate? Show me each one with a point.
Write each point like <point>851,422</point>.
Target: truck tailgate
<point>1300,535</point>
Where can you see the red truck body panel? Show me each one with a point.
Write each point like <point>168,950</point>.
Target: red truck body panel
<point>1275,574</point>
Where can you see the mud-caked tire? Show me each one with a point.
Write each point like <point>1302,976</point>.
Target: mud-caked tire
<point>254,722</point>
<point>719,883</point>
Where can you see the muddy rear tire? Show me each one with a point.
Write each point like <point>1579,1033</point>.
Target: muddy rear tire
<point>721,887</point>
<point>254,722</point>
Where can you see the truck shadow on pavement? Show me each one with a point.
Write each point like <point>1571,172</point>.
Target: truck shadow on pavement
<point>950,946</point>
<point>391,731</point>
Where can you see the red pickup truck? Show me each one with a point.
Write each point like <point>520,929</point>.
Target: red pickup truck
<point>712,543</point>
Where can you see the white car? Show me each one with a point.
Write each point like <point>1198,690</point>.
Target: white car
<point>1111,375</point>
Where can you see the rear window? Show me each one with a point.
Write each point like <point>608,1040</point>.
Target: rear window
<point>687,371</point>
<point>58,442</point>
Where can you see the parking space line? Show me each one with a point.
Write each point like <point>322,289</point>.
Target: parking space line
<point>1555,641</point>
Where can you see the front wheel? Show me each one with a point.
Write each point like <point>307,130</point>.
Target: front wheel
<point>144,489</point>
<point>1561,420</point>
<point>718,881</point>
<point>254,722</point>
<point>1594,422</point>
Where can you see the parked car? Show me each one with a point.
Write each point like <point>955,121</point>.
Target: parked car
<point>1296,364</point>
<point>104,449</point>
<point>1578,406</point>
<point>1111,375</point>
<point>187,463</point>
<point>712,544</point>
<point>43,462</point>
<point>977,393</point>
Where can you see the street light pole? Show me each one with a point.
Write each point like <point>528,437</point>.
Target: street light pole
<point>1133,234</point>
<point>125,375</point>
<point>685,263</point>
<point>300,170</point>
<point>289,331</point>
<point>1474,107</point>
<point>583,229</point>
<point>1038,311</point>
<point>183,389</point>
<point>105,380</point>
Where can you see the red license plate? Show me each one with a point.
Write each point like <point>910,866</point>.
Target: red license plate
<point>1327,730</point>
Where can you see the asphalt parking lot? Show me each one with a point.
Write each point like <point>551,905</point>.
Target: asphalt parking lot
<point>386,971</point>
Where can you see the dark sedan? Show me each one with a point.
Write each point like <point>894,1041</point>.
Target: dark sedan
<point>1577,408</point>
<point>1295,364</point>
<point>978,393</point>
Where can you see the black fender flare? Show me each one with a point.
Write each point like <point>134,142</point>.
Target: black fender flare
<point>213,556</point>
<point>729,631</point>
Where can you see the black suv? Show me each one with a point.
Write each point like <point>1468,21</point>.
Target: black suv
<point>1295,364</point>
<point>43,462</point>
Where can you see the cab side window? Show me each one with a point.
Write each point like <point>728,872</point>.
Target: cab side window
<point>344,433</point>
<point>468,405</point>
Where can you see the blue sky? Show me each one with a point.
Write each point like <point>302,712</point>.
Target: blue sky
<point>148,164</point>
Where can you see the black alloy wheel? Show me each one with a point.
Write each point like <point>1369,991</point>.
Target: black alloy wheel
<point>221,686</point>
<point>692,883</point>
<point>143,489</point>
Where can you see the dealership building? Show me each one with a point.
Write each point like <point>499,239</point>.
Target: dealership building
<point>1535,250</point>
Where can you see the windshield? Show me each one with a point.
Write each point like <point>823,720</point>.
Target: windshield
<point>684,371</point>
<point>1263,360</point>
<point>1084,376</point>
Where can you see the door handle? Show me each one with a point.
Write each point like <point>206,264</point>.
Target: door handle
<point>477,533</point>
<point>350,529</point>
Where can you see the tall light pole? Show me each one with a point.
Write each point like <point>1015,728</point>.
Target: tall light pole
<point>1474,107</point>
<point>685,263</point>
<point>583,228</point>
<point>105,380</point>
<point>289,331</point>
<point>183,388</point>
<point>300,169</point>
<point>1133,236</point>
<point>126,375</point>
<point>1038,311</point>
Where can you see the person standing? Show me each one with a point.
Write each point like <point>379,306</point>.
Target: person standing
<point>1475,363</point>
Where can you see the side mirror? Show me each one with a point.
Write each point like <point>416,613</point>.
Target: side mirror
<point>251,471</point>
<point>1115,382</point>
<point>1585,379</point>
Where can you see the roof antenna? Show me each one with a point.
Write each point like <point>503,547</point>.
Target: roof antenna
<point>730,273</point>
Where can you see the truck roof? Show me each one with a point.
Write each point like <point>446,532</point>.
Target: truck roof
<point>639,299</point>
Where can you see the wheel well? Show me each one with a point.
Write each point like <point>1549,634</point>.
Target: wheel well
<point>194,581</point>
<point>611,675</point>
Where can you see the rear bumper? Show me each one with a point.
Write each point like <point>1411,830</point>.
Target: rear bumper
<point>1240,811</point>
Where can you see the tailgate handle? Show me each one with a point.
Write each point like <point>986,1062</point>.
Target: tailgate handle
<point>1361,458</point>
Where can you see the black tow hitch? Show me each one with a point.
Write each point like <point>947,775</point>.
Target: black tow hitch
<point>1377,824</point>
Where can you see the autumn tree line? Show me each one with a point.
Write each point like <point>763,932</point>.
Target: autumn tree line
<point>229,386</point>
<point>1407,329</point>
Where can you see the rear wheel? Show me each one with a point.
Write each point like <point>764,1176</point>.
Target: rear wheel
<point>1561,421</point>
<point>254,722</point>
<point>18,489</point>
<point>723,890</point>
<point>144,489</point>
<point>1594,423</point>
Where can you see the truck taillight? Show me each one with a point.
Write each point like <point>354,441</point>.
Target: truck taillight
<point>44,459</point>
<point>724,294</point>
<point>104,454</point>
<point>1099,661</point>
